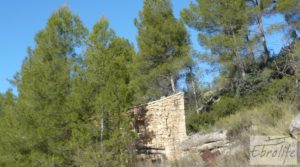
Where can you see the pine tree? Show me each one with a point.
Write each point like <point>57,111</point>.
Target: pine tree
<point>1,102</point>
<point>44,84</point>
<point>193,94</point>
<point>291,11</point>
<point>102,98</point>
<point>96,61</point>
<point>7,101</point>
<point>10,141</point>
<point>259,9</point>
<point>296,57</point>
<point>222,27</point>
<point>115,100</point>
<point>163,50</point>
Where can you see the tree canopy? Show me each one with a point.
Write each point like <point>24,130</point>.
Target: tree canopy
<point>75,87</point>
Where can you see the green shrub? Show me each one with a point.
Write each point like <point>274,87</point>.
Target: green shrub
<point>268,118</point>
<point>226,106</point>
<point>282,89</point>
<point>238,127</point>
<point>277,90</point>
<point>199,122</point>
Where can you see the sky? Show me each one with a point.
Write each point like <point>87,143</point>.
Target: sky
<point>21,20</point>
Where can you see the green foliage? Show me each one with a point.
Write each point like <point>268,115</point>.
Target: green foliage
<point>41,124</point>
<point>269,118</point>
<point>43,88</point>
<point>239,126</point>
<point>291,10</point>
<point>163,50</point>
<point>277,90</point>
<point>7,102</point>
<point>280,89</point>
<point>70,111</point>
<point>1,102</point>
<point>104,133</point>
<point>72,107</point>
<point>199,122</point>
<point>222,27</point>
<point>193,92</point>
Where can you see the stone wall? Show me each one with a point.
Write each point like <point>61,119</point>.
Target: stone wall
<point>160,125</point>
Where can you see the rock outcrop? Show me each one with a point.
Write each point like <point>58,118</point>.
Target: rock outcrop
<point>214,141</point>
<point>209,146</point>
<point>294,127</point>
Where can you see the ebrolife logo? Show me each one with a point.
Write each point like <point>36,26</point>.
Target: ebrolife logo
<point>273,150</point>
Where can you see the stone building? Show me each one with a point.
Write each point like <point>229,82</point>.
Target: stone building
<point>160,125</point>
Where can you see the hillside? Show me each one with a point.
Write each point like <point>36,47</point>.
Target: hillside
<point>206,87</point>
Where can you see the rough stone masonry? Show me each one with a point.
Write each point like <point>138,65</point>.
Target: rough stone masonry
<point>160,125</point>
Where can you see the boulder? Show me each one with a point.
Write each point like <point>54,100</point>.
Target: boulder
<point>205,141</point>
<point>294,127</point>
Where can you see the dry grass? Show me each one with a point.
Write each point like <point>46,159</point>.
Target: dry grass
<point>267,119</point>
<point>192,159</point>
<point>271,118</point>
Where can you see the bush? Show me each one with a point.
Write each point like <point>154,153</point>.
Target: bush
<point>277,90</point>
<point>199,122</point>
<point>226,106</point>
<point>268,118</point>
<point>282,89</point>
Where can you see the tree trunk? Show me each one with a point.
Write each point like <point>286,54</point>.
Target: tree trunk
<point>101,129</point>
<point>192,79</point>
<point>195,95</point>
<point>240,65</point>
<point>266,55</point>
<point>250,51</point>
<point>172,84</point>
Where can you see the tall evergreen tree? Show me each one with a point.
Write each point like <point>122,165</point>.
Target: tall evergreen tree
<point>1,102</point>
<point>163,50</point>
<point>193,94</point>
<point>7,102</point>
<point>222,27</point>
<point>10,140</point>
<point>296,57</point>
<point>102,98</point>
<point>259,9</point>
<point>291,11</point>
<point>43,88</point>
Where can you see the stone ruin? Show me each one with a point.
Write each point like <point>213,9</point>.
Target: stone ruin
<point>160,125</point>
<point>161,130</point>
